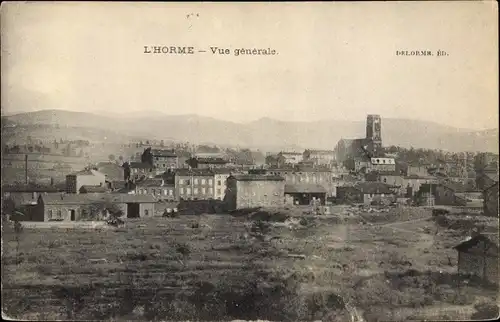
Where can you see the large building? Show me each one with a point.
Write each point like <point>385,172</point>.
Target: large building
<point>194,184</point>
<point>254,190</point>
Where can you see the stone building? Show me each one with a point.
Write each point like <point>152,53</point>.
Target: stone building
<point>254,190</point>
<point>156,187</point>
<point>164,159</point>
<point>78,207</point>
<point>220,182</point>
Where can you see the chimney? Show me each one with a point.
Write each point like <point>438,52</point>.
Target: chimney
<point>26,168</point>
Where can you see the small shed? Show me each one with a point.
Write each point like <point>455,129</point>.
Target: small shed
<point>478,256</point>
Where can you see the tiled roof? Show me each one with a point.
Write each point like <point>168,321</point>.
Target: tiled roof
<point>256,177</point>
<point>304,188</point>
<point>93,189</point>
<point>88,198</point>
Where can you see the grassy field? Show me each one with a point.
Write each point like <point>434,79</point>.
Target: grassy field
<point>220,267</point>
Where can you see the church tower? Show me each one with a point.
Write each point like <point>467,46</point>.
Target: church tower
<point>374,133</point>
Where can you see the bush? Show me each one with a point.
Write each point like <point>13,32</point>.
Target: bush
<point>485,311</point>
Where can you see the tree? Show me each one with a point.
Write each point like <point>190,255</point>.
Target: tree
<point>111,157</point>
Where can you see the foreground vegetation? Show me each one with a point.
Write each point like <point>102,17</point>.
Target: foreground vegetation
<point>256,266</point>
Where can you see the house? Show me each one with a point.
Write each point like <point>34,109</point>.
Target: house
<point>490,203</point>
<point>207,163</point>
<point>165,159</point>
<point>319,157</point>
<point>408,185</point>
<point>478,256</point>
<point>305,193</point>
<point>253,190</point>
<point>220,182</point>
<point>157,188</point>
<point>194,184</point>
<point>77,207</point>
<point>87,177</point>
<point>367,192</point>
<point>27,194</point>
<point>290,157</point>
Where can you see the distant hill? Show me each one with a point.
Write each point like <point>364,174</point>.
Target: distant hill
<point>265,134</point>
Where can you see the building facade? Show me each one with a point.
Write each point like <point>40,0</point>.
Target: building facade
<point>194,184</point>
<point>156,188</point>
<point>207,163</point>
<point>164,159</point>
<point>220,182</point>
<point>253,190</point>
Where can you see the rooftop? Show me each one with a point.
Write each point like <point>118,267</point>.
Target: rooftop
<point>163,153</point>
<point>88,198</point>
<point>304,188</point>
<point>256,177</point>
<point>92,189</point>
<point>194,172</point>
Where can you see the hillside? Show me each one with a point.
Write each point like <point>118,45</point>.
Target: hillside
<point>265,133</point>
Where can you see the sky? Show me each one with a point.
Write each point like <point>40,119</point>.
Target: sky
<point>333,61</point>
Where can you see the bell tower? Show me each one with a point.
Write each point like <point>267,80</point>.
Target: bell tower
<point>374,133</point>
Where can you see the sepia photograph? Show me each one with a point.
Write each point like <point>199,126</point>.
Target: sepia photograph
<point>253,161</point>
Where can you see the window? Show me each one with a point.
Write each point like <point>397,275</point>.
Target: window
<point>203,191</point>
<point>187,182</point>
<point>181,181</point>
<point>219,183</point>
<point>219,191</point>
<point>165,192</point>
<point>50,214</point>
<point>203,181</point>
<point>195,181</point>
<point>146,212</point>
<point>59,214</point>
<point>188,191</point>
<point>181,191</point>
<point>210,182</point>
<point>171,192</point>
<point>210,190</point>
<point>195,191</point>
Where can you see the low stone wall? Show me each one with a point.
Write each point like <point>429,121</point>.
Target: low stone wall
<point>65,224</point>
